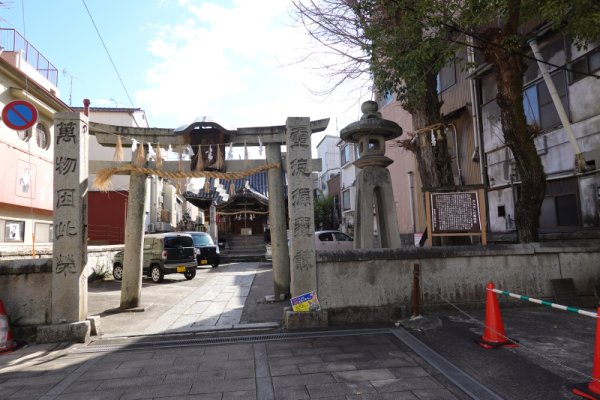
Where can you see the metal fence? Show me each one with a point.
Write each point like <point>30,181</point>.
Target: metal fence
<point>11,40</point>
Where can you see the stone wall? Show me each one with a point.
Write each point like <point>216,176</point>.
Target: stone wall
<point>26,284</point>
<point>376,285</point>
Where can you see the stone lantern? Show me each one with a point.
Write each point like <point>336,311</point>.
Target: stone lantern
<point>374,188</point>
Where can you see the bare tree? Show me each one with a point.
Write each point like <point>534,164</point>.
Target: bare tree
<point>368,37</point>
<point>405,43</point>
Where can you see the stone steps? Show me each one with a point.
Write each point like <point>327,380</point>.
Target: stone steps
<point>244,248</point>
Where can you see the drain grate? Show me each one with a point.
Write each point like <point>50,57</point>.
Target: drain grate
<point>143,344</point>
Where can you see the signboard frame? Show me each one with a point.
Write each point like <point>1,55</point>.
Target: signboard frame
<point>481,214</point>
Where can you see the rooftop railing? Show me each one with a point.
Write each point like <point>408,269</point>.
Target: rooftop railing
<point>11,40</point>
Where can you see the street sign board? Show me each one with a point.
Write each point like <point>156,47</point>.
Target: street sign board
<point>19,115</point>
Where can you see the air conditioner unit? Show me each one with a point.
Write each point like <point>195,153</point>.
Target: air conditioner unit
<point>151,228</point>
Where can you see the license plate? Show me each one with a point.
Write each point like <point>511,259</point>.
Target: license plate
<point>181,269</point>
<point>203,262</point>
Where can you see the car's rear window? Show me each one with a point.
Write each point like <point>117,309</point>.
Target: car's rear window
<point>202,240</point>
<point>178,241</point>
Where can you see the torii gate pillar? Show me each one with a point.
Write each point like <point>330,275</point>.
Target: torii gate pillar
<point>277,223</point>
<point>131,286</point>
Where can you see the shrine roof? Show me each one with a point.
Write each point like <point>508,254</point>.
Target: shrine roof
<point>255,185</point>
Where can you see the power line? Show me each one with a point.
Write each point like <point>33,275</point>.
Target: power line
<point>108,53</point>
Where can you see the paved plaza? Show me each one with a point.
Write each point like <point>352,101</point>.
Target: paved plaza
<point>215,337</point>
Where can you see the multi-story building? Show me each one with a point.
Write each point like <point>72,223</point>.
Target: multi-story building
<point>26,194</point>
<point>480,156</point>
<point>572,196</point>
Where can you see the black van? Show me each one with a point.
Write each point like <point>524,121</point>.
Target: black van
<point>164,253</point>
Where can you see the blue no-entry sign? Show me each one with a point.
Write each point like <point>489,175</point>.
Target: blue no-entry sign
<point>19,115</point>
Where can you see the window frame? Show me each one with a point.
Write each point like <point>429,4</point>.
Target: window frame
<point>45,132</point>
<point>38,225</point>
<point>19,231</point>
<point>346,154</point>
<point>585,59</point>
<point>448,70</point>
<point>540,116</point>
<point>346,195</point>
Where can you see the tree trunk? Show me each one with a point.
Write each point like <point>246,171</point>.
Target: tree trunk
<point>509,69</point>
<point>434,162</point>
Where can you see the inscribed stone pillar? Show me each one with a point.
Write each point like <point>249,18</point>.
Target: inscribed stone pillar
<point>69,247</point>
<point>131,285</point>
<point>277,223</point>
<point>303,266</point>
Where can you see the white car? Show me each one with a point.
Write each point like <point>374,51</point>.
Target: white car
<point>333,241</point>
<point>324,241</point>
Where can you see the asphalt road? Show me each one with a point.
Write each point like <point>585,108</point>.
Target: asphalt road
<point>555,351</point>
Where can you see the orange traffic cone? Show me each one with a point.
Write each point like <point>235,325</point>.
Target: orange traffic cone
<point>6,340</point>
<point>493,331</point>
<point>591,390</point>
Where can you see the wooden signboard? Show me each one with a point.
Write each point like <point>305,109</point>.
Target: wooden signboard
<point>456,214</point>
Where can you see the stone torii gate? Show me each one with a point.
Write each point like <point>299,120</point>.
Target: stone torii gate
<point>291,275</point>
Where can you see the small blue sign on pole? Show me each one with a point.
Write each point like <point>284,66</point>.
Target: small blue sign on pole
<point>19,115</point>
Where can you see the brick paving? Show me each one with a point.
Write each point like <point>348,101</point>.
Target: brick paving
<point>358,366</point>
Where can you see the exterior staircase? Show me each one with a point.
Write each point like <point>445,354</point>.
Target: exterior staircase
<point>240,248</point>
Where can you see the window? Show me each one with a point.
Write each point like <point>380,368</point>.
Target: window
<point>346,200</point>
<point>43,232</point>
<point>24,135</point>
<point>342,237</point>
<point>176,242</point>
<point>587,64</point>
<point>326,237</point>
<point>346,154</point>
<point>501,211</point>
<point>14,231</point>
<point>538,105</point>
<point>42,138</point>
<point>446,77</point>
